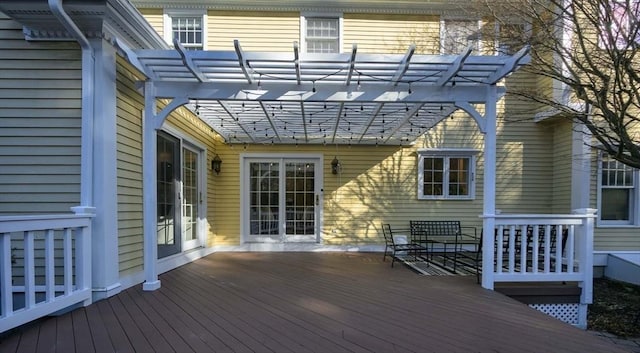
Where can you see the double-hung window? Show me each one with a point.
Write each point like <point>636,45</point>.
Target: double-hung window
<point>187,28</point>
<point>446,174</point>
<point>618,193</point>
<point>458,34</point>
<point>321,34</point>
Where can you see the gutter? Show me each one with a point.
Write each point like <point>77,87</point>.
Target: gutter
<point>88,78</point>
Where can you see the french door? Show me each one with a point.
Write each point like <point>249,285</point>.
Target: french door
<point>282,202</point>
<point>179,195</point>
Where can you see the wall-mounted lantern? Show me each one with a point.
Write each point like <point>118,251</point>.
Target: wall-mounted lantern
<point>336,166</point>
<point>216,163</point>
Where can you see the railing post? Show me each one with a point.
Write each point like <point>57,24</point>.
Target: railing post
<point>488,242</point>
<point>585,258</point>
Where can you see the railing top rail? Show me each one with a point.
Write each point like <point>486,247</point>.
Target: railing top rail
<point>538,216</point>
<point>41,222</point>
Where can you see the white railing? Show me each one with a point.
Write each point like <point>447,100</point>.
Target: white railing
<point>45,266</point>
<point>540,248</point>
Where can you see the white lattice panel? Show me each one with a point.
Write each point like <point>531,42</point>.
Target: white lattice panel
<point>564,312</point>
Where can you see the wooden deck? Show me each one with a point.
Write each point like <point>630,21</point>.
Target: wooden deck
<point>304,302</point>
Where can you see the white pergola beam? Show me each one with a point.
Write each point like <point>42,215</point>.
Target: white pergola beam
<point>403,66</point>
<point>374,114</point>
<point>241,60</point>
<point>273,126</point>
<point>519,58</point>
<point>455,67</point>
<point>352,64</point>
<point>324,92</point>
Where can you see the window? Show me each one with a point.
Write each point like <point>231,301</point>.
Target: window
<point>457,34</point>
<point>322,34</point>
<point>188,28</point>
<point>446,174</point>
<point>618,193</point>
<point>620,24</point>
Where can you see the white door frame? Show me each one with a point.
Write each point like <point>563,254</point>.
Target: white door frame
<point>318,185</point>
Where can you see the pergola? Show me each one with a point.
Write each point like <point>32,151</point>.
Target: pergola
<point>299,98</point>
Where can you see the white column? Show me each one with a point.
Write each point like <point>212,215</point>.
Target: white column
<point>489,199</point>
<point>105,269</point>
<point>149,187</point>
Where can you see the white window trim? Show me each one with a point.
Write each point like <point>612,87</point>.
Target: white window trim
<point>634,222</point>
<point>168,23</point>
<point>442,153</point>
<point>303,28</point>
<point>443,29</point>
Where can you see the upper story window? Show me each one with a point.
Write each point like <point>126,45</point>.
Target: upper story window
<point>458,34</point>
<point>620,24</point>
<point>188,28</point>
<point>446,174</point>
<point>321,33</point>
<point>618,193</point>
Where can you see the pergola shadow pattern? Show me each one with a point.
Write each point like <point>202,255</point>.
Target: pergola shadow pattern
<point>303,302</point>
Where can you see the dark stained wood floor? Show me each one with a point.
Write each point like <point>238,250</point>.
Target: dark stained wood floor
<point>304,302</point>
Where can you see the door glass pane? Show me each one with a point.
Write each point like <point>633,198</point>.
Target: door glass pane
<point>263,198</point>
<point>300,200</point>
<point>168,178</point>
<point>190,195</point>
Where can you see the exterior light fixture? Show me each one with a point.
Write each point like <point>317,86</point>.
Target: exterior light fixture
<point>336,166</point>
<point>216,163</point>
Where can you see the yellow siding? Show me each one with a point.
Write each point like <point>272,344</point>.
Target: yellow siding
<point>129,106</point>
<point>562,166</point>
<point>40,119</point>
<point>155,17</point>
<point>391,33</point>
<point>257,31</point>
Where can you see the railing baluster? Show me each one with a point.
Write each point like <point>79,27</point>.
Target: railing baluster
<point>523,251</point>
<point>547,249</point>
<point>29,270</point>
<point>535,243</point>
<point>569,249</point>
<point>49,267</point>
<point>558,245</point>
<point>68,264</point>
<point>512,249</point>
<point>500,249</point>
<point>6,287</point>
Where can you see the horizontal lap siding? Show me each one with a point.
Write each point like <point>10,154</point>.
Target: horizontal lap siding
<point>155,17</point>
<point>391,33</point>
<point>129,151</point>
<point>256,31</point>
<point>40,123</point>
<point>524,155</point>
<point>562,166</point>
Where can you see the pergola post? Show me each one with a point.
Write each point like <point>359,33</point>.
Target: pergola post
<point>489,198</point>
<point>149,189</point>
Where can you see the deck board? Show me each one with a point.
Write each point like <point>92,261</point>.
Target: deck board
<point>304,302</point>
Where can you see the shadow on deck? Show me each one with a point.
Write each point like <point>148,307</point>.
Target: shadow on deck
<point>304,302</point>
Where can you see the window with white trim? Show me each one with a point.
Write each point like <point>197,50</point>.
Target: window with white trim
<point>322,34</point>
<point>618,193</point>
<point>187,27</point>
<point>457,34</point>
<point>446,174</point>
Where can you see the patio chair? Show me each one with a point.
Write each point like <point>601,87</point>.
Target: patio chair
<point>392,248</point>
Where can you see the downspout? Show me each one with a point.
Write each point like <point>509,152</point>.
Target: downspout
<point>88,78</point>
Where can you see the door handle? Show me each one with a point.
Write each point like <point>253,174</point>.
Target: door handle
<point>317,200</point>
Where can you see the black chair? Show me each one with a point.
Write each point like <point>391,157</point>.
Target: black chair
<point>391,248</point>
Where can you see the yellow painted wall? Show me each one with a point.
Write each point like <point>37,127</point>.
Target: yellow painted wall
<point>257,31</point>
<point>391,33</point>
<point>155,18</point>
